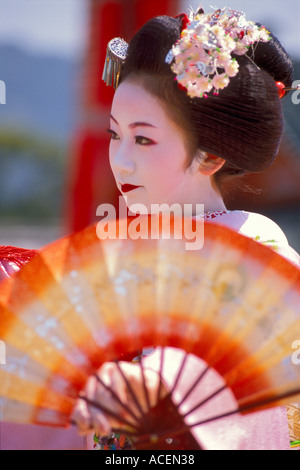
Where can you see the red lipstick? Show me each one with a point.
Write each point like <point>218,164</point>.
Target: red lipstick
<point>128,187</point>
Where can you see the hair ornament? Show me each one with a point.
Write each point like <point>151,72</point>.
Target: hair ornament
<point>282,89</point>
<point>202,59</point>
<point>184,20</point>
<point>115,56</point>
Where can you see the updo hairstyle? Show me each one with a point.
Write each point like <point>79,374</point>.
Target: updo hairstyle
<point>243,124</point>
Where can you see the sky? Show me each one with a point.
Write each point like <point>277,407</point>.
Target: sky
<point>59,26</point>
<point>45,26</point>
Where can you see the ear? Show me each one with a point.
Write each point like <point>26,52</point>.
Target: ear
<point>211,164</point>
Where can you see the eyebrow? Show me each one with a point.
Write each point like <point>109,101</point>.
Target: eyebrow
<point>135,124</point>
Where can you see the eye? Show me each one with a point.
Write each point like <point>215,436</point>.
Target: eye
<point>140,140</point>
<point>113,134</point>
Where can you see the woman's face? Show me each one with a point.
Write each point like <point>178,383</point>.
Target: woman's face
<point>147,150</point>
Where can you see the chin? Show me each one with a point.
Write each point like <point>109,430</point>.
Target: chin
<point>138,207</point>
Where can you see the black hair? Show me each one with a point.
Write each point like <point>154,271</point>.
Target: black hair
<point>243,124</point>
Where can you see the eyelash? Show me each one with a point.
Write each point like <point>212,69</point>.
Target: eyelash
<point>138,138</point>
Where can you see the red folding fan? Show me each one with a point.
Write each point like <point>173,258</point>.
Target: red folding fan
<point>82,301</point>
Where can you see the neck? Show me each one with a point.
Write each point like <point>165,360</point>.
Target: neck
<point>211,207</point>
<point>215,205</point>
<point>206,196</point>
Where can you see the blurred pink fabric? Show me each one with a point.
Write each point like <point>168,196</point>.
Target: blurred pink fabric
<point>26,437</point>
<point>7,268</point>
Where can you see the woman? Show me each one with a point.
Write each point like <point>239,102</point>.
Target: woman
<point>198,104</point>
<point>177,142</point>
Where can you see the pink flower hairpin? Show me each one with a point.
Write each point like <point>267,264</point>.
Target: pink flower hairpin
<point>207,45</point>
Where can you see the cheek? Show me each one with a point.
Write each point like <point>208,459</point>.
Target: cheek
<point>170,162</point>
<point>166,172</point>
<point>156,165</point>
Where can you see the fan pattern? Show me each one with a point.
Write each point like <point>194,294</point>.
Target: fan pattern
<point>82,302</point>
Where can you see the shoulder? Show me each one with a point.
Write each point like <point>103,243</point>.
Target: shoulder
<point>261,229</point>
<point>251,224</point>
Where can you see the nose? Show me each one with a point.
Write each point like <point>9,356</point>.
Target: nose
<point>121,160</point>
